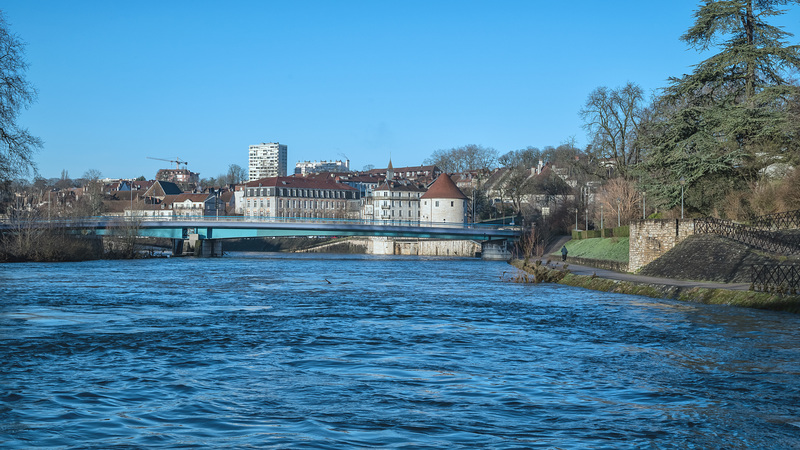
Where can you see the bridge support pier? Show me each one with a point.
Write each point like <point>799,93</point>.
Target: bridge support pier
<point>496,250</point>
<point>194,246</point>
<point>208,248</point>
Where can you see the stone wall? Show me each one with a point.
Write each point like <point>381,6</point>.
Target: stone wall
<point>422,247</point>
<point>616,266</point>
<point>649,239</point>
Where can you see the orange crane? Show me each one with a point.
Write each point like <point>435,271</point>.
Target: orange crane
<point>177,162</point>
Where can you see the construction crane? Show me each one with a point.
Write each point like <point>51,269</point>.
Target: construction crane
<point>177,161</point>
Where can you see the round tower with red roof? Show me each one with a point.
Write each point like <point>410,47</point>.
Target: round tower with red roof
<point>443,203</point>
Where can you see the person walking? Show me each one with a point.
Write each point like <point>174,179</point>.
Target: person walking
<point>564,253</point>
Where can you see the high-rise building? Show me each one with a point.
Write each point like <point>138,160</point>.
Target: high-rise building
<point>267,160</point>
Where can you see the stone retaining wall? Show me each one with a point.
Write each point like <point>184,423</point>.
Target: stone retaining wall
<point>616,266</point>
<point>649,239</point>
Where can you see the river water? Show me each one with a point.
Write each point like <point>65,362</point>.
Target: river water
<point>288,351</point>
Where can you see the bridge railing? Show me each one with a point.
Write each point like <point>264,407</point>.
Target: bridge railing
<point>82,221</point>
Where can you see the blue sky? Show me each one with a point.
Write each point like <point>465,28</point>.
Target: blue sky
<point>122,80</point>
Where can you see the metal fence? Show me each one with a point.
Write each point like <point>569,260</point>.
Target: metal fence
<point>780,278</point>
<point>754,237</point>
<point>788,220</point>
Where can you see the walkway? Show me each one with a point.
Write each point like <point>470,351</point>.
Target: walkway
<point>641,279</point>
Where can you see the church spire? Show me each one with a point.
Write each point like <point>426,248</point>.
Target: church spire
<point>390,171</point>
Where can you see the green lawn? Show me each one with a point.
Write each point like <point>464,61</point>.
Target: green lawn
<point>611,249</point>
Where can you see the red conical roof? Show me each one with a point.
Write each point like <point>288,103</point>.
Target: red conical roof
<point>444,187</point>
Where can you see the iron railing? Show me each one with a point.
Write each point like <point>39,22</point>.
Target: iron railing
<point>780,278</point>
<point>754,237</point>
<point>788,220</point>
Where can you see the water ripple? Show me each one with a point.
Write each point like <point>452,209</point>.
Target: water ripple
<point>260,351</point>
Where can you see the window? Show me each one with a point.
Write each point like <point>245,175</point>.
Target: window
<point>451,204</point>
<point>437,203</point>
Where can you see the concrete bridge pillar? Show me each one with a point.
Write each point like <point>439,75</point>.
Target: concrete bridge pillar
<point>209,248</point>
<point>497,250</point>
<point>196,246</point>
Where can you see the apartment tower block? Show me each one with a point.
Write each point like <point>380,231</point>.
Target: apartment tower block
<point>267,160</point>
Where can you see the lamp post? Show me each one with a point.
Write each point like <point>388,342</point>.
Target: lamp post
<point>683,182</point>
<point>586,207</point>
<point>601,216</point>
<point>619,202</point>
<point>644,206</point>
<point>576,218</point>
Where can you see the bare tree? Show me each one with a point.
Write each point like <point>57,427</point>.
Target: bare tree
<point>17,145</point>
<point>462,159</point>
<point>612,119</point>
<point>618,196</point>
<point>236,174</point>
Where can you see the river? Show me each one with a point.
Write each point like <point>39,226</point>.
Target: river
<point>335,351</point>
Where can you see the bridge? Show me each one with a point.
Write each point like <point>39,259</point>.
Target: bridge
<point>214,229</point>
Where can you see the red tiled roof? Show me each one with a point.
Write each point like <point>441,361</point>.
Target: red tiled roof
<point>444,187</point>
<point>398,187</point>
<point>300,183</point>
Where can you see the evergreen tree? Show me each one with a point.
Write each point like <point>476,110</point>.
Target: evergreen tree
<point>720,126</point>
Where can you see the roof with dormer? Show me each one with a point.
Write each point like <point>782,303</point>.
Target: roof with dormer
<point>301,183</point>
<point>444,187</point>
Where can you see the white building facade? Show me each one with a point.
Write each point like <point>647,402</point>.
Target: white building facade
<point>267,160</point>
<point>394,203</point>
<point>443,203</point>
<point>299,197</point>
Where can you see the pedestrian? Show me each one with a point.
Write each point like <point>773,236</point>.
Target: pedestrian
<point>564,253</point>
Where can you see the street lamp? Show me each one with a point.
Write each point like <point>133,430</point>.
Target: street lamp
<point>586,206</point>
<point>576,218</point>
<point>683,182</point>
<point>601,216</point>
<point>619,202</point>
<point>644,206</point>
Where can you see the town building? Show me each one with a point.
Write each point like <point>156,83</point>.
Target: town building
<point>300,197</point>
<point>413,173</point>
<point>394,202</point>
<point>307,167</point>
<point>182,177</point>
<point>443,203</point>
<point>267,160</point>
<point>159,190</point>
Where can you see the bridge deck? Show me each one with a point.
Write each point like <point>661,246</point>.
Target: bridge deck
<point>242,227</point>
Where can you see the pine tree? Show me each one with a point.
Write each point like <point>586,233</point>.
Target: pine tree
<point>721,125</point>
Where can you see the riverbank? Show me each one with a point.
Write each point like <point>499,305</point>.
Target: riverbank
<point>732,294</point>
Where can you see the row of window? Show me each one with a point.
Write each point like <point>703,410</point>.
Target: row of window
<point>297,204</point>
<point>385,214</point>
<point>289,192</point>
<point>398,194</point>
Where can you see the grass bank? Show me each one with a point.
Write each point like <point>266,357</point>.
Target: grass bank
<point>745,299</point>
<point>609,249</point>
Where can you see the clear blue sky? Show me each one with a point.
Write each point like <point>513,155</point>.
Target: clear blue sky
<point>122,80</point>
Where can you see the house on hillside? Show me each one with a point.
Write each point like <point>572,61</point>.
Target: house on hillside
<point>159,190</point>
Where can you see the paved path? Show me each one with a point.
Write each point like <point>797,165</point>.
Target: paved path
<point>611,275</point>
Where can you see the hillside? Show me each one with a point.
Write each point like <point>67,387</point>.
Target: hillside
<point>611,249</point>
<point>711,258</point>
